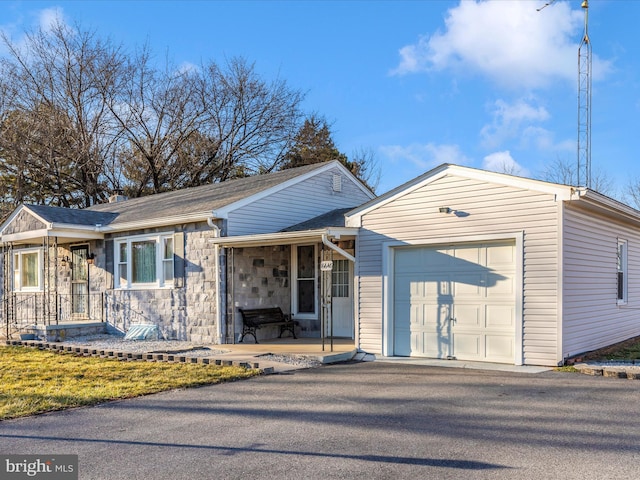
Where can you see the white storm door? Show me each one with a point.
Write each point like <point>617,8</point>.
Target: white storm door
<point>342,299</point>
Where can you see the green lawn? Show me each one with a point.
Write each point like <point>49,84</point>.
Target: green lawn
<point>34,381</point>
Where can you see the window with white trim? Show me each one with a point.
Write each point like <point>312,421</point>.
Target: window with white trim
<point>622,272</point>
<point>305,281</point>
<point>144,261</point>
<point>27,270</point>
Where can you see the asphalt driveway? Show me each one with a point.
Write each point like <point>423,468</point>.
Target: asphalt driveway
<point>354,421</point>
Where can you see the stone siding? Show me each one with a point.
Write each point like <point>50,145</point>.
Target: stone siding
<point>24,222</point>
<point>259,278</point>
<point>182,313</point>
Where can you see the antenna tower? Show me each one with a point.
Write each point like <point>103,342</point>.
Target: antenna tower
<point>584,104</point>
<point>584,100</point>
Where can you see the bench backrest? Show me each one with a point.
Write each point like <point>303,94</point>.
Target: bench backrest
<point>262,316</point>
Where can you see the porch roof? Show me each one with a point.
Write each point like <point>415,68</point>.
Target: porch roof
<point>285,238</point>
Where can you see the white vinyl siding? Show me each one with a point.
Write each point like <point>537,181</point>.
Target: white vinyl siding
<point>593,317</point>
<point>480,208</point>
<point>292,204</point>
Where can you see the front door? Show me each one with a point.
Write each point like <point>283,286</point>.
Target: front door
<point>79,281</point>
<point>342,299</point>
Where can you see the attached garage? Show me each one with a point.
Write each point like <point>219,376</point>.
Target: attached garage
<point>482,266</point>
<point>455,301</point>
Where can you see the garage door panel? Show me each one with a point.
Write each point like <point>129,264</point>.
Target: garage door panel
<point>499,256</point>
<point>502,285</point>
<point>468,316</point>
<point>500,347</point>
<point>426,343</point>
<point>476,283</point>
<point>470,286</point>
<point>415,286</point>
<point>471,254</point>
<point>467,346</point>
<point>500,316</point>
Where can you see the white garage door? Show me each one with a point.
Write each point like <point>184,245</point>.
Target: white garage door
<point>455,302</point>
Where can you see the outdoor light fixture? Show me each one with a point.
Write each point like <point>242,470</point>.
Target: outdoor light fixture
<point>64,260</point>
<point>445,210</point>
<point>91,259</point>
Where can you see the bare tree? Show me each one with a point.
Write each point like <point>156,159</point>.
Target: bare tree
<point>367,167</point>
<point>158,110</point>
<point>250,123</point>
<point>55,79</point>
<point>81,118</point>
<point>565,172</point>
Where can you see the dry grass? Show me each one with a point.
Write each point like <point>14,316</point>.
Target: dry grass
<point>628,350</point>
<point>34,381</point>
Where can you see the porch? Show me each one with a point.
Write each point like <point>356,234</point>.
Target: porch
<point>55,317</point>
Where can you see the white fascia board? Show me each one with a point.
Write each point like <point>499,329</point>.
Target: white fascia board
<point>283,238</point>
<point>155,222</point>
<point>561,192</point>
<point>607,205</point>
<point>23,236</point>
<point>67,233</point>
<point>223,212</point>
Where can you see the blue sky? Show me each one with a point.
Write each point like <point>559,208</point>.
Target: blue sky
<point>488,84</point>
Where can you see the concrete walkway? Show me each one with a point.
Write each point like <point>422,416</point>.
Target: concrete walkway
<point>283,355</point>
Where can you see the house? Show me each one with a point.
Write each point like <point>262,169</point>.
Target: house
<point>480,266</point>
<point>457,263</point>
<point>184,260</point>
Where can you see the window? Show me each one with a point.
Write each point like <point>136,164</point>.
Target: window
<point>144,261</point>
<point>622,271</point>
<point>167,258</point>
<point>305,280</point>
<point>27,271</point>
<point>340,279</point>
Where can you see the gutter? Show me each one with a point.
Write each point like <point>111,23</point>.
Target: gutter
<point>277,238</point>
<point>156,222</point>
<point>333,246</point>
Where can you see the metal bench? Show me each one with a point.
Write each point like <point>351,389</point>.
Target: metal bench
<point>255,318</point>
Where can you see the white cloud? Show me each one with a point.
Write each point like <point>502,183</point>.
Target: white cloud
<point>188,67</point>
<point>425,156</point>
<point>509,42</point>
<point>50,17</point>
<point>503,162</point>
<point>510,119</point>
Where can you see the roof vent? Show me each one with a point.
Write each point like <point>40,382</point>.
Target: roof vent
<point>117,198</point>
<point>337,183</point>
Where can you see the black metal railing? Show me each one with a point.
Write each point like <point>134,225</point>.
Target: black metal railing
<point>21,310</point>
<point>39,308</point>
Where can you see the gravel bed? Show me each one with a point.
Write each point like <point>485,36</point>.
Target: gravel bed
<point>112,342</point>
<point>298,360</point>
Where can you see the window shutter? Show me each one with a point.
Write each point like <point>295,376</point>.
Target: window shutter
<point>108,263</point>
<point>178,259</point>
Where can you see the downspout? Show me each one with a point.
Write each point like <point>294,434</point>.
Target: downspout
<point>216,266</point>
<point>333,246</point>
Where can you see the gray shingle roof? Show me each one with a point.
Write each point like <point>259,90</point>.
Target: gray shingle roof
<point>198,199</point>
<point>73,216</point>
<point>334,218</point>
